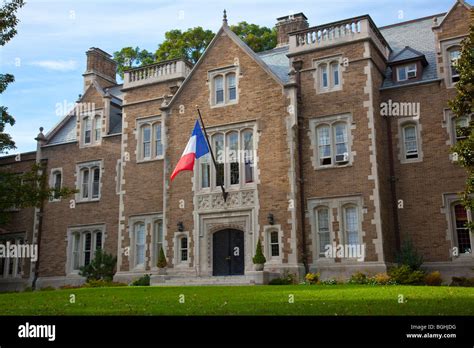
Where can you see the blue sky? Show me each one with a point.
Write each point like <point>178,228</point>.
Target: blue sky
<point>48,58</point>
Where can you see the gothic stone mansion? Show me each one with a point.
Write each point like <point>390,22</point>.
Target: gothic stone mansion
<point>310,159</point>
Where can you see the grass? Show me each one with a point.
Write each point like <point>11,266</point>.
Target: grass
<point>244,300</point>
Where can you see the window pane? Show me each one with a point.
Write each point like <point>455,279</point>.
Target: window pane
<point>340,131</point>
<point>146,141</point>
<point>233,152</point>
<point>461,123</point>
<point>335,73</point>
<point>158,142</point>
<point>324,76</point>
<point>98,240</point>
<point>411,146</point>
<point>75,253</point>
<point>87,247</point>
<point>205,170</point>
<point>352,225</point>
<point>87,130</point>
<point>57,184</point>
<point>98,128</point>
<point>231,86</point>
<point>184,248</point>
<point>219,89</point>
<point>454,56</point>
<point>402,74</point>
<point>218,141</point>
<point>158,232</point>
<point>248,155</point>
<point>323,229</point>
<point>140,243</point>
<point>85,183</point>
<point>462,232</point>
<point>324,144</point>
<point>96,183</point>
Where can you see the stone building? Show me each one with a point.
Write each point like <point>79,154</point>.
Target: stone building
<point>339,136</point>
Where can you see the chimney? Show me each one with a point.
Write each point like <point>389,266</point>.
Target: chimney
<point>288,24</point>
<point>100,67</point>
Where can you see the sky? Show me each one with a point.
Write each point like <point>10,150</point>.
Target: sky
<point>47,56</point>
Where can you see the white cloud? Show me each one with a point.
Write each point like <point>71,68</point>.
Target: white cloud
<point>58,65</point>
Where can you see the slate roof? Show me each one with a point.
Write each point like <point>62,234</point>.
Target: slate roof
<point>277,61</point>
<point>418,36</point>
<point>406,54</point>
<point>66,132</point>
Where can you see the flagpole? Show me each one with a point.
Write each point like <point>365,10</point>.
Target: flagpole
<point>224,193</point>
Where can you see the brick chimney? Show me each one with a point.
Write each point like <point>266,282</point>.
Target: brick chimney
<point>100,67</point>
<point>287,24</point>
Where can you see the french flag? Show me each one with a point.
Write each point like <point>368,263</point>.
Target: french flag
<point>196,148</point>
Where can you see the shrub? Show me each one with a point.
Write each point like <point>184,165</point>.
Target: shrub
<point>406,275</point>
<point>330,281</point>
<point>358,278</point>
<point>312,278</point>
<point>101,283</point>
<point>409,256</point>
<point>462,281</point>
<point>259,258</point>
<point>381,279</point>
<point>142,281</point>
<point>162,259</point>
<point>433,279</point>
<point>286,279</point>
<point>101,267</point>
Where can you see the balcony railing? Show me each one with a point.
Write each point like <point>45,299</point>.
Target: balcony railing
<point>336,33</point>
<point>167,70</point>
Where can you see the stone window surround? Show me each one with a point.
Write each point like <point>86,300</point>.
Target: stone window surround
<point>267,229</point>
<point>177,263</point>
<point>402,122</point>
<point>339,203</point>
<point>92,114</point>
<point>81,229</point>
<point>8,237</point>
<point>450,126</point>
<point>449,199</point>
<point>148,220</point>
<point>212,74</point>
<point>224,129</point>
<point>90,165</point>
<point>139,123</point>
<point>330,120</point>
<point>317,75</point>
<point>445,46</point>
<point>52,176</point>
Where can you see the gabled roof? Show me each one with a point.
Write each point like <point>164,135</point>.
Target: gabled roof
<point>460,2</point>
<point>408,54</point>
<point>225,29</point>
<point>277,60</point>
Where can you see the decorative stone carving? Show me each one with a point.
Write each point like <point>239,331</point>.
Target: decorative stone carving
<point>215,201</point>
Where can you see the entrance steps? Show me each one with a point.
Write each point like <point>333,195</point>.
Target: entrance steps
<point>168,280</point>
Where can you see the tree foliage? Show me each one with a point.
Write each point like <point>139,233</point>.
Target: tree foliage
<point>8,23</point>
<point>25,190</point>
<point>101,267</point>
<point>256,37</point>
<point>129,57</point>
<point>462,105</point>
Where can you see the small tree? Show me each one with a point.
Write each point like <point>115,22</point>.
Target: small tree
<point>162,259</point>
<point>102,267</point>
<point>409,256</point>
<point>259,258</point>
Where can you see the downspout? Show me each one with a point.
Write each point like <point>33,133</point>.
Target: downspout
<point>297,65</point>
<point>38,218</point>
<point>393,180</point>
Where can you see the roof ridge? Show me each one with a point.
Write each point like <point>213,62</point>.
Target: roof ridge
<point>412,21</point>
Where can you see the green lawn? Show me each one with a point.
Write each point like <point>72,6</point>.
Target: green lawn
<point>244,300</point>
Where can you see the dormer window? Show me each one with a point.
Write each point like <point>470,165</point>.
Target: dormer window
<point>224,86</point>
<point>407,72</point>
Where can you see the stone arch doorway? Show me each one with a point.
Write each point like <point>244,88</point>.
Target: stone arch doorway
<point>228,257</point>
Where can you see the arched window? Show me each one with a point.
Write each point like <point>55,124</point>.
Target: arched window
<point>410,141</point>
<point>340,142</point>
<point>57,180</point>
<point>219,89</point>
<point>324,79</point>
<point>322,229</point>
<point>97,128</point>
<point>98,239</point>
<point>139,231</point>
<point>454,54</point>
<point>231,86</point>
<point>158,143</point>
<point>351,224</point>
<point>183,249</point>
<point>87,129</point>
<point>85,183</point>
<point>324,144</point>
<point>274,244</point>
<point>158,239</point>
<point>462,236</point>
<point>218,144</point>
<point>146,141</point>
<point>247,139</point>
<point>233,156</point>
<point>95,182</point>
<point>205,170</point>
<point>87,251</point>
<point>335,73</point>
<point>76,247</point>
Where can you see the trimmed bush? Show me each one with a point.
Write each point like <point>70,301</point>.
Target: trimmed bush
<point>101,267</point>
<point>142,281</point>
<point>381,279</point>
<point>406,275</point>
<point>462,281</point>
<point>358,278</point>
<point>259,258</point>
<point>312,278</point>
<point>162,263</point>
<point>101,283</point>
<point>433,279</point>
<point>409,256</point>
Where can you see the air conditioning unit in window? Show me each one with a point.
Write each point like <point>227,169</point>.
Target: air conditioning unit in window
<point>341,159</point>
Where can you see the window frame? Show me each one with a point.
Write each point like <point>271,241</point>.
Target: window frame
<point>451,76</point>
<point>88,167</point>
<point>345,228</point>
<point>151,122</point>
<point>13,264</point>
<point>324,67</point>
<point>78,254</point>
<point>405,123</point>
<point>406,153</point>
<point>137,265</point>
<point>406,68</point>
<point>95,125</point>
<point>181,249</point>
<point>321,254</point>
<point>52,183</point>
<point>224,73</point>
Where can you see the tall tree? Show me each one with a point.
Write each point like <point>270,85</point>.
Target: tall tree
<point>256,37</point>
<point>189,44</point>
<point>8,23</point>
<point>462,106</point>
<point>129,57</point>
